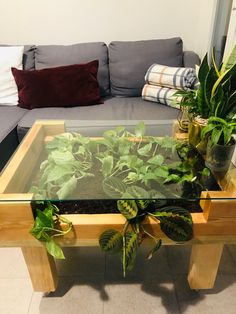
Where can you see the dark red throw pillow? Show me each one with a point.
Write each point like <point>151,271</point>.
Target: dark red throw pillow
<point>64,86</point>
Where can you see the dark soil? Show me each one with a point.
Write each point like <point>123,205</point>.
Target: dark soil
<point>107,206</point>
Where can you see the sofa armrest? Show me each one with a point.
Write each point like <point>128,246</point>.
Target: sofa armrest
<point>190,59</point>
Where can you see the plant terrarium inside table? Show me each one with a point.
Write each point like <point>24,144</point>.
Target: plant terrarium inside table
<point>88,175</point>
<point>117,191</point>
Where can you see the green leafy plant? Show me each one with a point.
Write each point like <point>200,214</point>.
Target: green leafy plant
<point>119,160</point>
<point>216,95</point>
<point>175,222</point>
<point>46,228</point>
<point>219,131</point>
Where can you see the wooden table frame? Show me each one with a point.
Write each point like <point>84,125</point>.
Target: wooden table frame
<point>213,228</point>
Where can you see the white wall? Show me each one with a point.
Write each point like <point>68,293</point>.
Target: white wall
<point>231,36</point>
<point>73,21</point>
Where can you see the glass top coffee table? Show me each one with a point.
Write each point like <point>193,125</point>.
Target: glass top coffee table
<point>85,174</point>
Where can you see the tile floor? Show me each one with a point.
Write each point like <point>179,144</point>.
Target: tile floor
<point>91,282</point>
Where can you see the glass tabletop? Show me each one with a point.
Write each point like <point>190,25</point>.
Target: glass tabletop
<point>106,161</point>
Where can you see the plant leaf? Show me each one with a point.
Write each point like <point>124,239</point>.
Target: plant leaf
<point>145,150</point>
<point>111,241</point>
<point>58,172</point>
<point>67,188</point>
<point>54,249</point>
<point>229,61</point>
<point>137,192</point>
<point>128,208</point>
<point>176,223</point>
<point>142,204</point>
<point>43,220</point>
<point>156,160</point>
<point>130,247</point>
<point>61,158</point>
<point>154,249</point>
<point>124,146</point>
<point>203,69</point>
<point>107,165</point>
<point>140,129</point>
<point>114,187</point>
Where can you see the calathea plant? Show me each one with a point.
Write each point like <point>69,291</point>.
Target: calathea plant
<point>175,222</point>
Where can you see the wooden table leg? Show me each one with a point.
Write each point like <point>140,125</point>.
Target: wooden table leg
<point>204,263</point>
<point>41,267</point>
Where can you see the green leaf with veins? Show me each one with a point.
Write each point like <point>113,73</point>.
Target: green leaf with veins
<point>107,165</point>
<point>54,249</point>
<point>67,188</point>
<point>114,187</point>
<point>145,150</point>
<point>140,129</point>
<point>156,160</point>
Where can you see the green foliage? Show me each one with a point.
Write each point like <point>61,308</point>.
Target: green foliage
<point>129,252</point>
<point>216,96</point>
<point>127,208</point>
<point>114,187</point>
<point>137,172</point>
<point>156,247</point>
<point>45,229</point>
<point>111,241</point>
<point>219,130</point>
<point>124,168</point>
<point>175,222</point>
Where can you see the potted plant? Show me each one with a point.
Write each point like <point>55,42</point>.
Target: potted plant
<point>215,96</point>
<point>220,144</point>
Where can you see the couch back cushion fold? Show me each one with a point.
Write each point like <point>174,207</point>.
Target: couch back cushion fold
<point>129,61</point>
<point>47,56</point>
<point>65,86</point>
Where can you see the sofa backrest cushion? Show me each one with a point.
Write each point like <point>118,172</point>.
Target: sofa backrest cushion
<point>47,56</point>
<point>129,61</point>
<point>28,57</point>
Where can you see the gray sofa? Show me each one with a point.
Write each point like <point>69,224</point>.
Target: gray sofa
<point>122,66</point>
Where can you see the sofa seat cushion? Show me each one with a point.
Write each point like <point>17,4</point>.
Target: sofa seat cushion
<point>133,108</point>
<point>47,56</point>
<point>9,117</point>
<point>130,60</point>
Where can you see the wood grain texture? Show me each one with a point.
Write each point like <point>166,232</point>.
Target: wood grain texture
<point>16,219</point>
<point>41,267</point>
<point>204,263</point>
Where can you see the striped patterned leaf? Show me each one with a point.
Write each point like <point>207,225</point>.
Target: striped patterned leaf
<point>137,192</point>
<point>128,208</point>
<point>142,204</point>
<point>130,247</point>
<point>111,241</point>
<point>159,199</point>
<point>176,223</point>
<point>140,195</point>
<point>154,249</point>
<point>114,187</point>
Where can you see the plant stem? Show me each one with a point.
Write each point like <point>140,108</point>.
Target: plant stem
<point>155,149</point>
<point>124,247</point>
<point>149,234</point>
